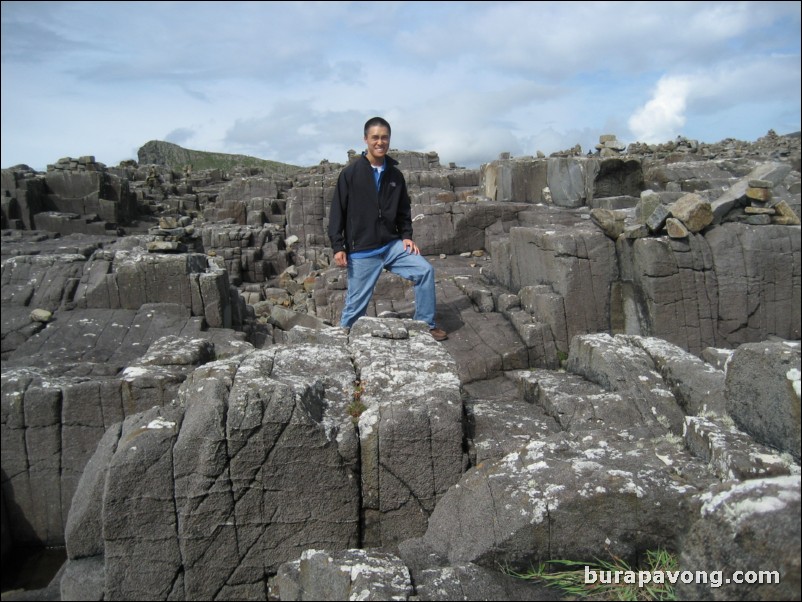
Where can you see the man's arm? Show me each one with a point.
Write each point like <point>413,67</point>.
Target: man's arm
<point>337,220</point>
<point>403,218</point>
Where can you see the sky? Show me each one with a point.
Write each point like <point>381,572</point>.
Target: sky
<point>296,81</point>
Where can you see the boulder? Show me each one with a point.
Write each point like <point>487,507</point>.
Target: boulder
<point>343,575</point>
<point>746,538</point>
<point>567,497</point>
<point>762,392</point>
<point>621,367</point>
<point>410,429</point>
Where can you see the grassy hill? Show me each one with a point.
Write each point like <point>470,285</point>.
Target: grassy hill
<point>171,155</point>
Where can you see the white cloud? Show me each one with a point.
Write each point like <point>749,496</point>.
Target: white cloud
<point>663,116</point>
<point>294,81</point>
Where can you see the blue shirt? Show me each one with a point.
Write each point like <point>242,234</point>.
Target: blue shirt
<point>377,175</point>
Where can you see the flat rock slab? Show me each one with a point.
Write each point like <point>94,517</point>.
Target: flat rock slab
<point>751,526</point>
<point>574,498</point>
<point>483,344</point>
<point>110,337</point>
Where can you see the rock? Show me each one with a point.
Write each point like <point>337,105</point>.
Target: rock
<point>657,218</point>
<point>732,453</point>
<point>761,195</point>
<point>610,222</point>
<point>131,330</point>
<point>410,430</point>
<point>163,246</point>
<point>676,229</point>
<point>436,579</point>
<point>697,386</point>
<point>83,579</point>
<point>772,172</point>
<point>286,319</point>
<point>578,405</point>
<point>41,315</point>
<point>621,367</point>
<point>343,575</point>
<point>746,527</point>
<point>759,210</point>
<point>784,210</point>
<point>762,392</point>
<point>649,201</point>
<point>563,497</point>
<point>693,211</point>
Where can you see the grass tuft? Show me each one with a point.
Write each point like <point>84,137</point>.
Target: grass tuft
<point>569,576</point>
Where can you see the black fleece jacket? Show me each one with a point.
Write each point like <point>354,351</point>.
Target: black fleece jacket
<point>362,218</point>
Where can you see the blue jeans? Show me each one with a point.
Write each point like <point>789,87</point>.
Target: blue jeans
<point>363,273</point>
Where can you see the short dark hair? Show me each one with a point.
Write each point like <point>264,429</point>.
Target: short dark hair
<point>373,121</point>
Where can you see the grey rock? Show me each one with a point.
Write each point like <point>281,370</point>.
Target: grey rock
<point>749,526</point>
<point>501,346</point>
<point>561,259</point>
<point>17,327</point>
<point>649,201</point>
<point>733,454</point>
<point>732,198</point>
<point>762,392</point>
<point>226,447</point>
<point>697,386</point>
<point>83,579</point>
<point>84,528</point>
<point>670,291</point>
<point>343,575</point>
<point>287,319</point>
<point>141,552</point>
<point>657,218</point>
<point>566,179</point>
<point>410,431</point>
<point>500,422</point>
<point>306,207</point>
<point>41,281</point>
<point>717,358</point>
<point>757,220</point>
<point>568,498</point>
<point>621,367</point>
<point>508,180</point>
<point>636,231</point>
<point>578,405</point>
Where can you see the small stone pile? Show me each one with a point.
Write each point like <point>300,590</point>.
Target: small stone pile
<point>761,211</point>
<point>172,235</point>
<point>85,163</point>
<point>610,146</point>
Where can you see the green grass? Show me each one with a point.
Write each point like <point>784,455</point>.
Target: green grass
<point>569,576</point>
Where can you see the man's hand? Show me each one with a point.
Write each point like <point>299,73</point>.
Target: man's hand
<point>341,259</point>
<point>411,247</point>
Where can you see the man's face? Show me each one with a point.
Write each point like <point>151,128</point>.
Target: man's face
<point>378,141</point>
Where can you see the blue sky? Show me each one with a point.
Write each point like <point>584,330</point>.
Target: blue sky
<point>295,82</point>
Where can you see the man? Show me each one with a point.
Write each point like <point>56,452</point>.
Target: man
<point>370,227</point>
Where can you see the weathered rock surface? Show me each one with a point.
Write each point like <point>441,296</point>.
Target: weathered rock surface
<point>744,529</point>
<point>768,371</point>
<point>564,497</point>
<point>263,460</point>
<point>198,334</point>
<point>343,575</point>
<point>411,429</point>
